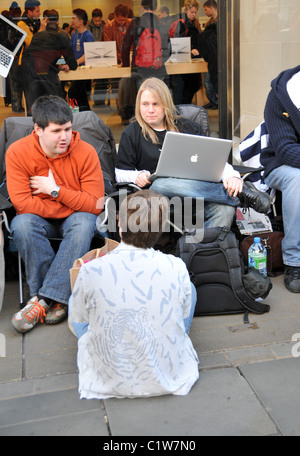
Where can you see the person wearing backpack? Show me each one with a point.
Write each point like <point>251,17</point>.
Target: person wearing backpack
<point>150,42</point>
<point>151,45</point>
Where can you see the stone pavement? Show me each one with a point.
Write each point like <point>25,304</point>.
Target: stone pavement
<point>249,381</point>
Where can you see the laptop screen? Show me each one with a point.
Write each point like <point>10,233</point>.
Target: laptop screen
<point>10,36</point>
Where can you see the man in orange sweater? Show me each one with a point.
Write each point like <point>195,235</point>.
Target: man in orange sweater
<point>55,183</point>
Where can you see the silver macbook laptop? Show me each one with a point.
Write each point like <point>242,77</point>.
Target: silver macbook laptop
<point>192,157</point>
<point>11,39</point>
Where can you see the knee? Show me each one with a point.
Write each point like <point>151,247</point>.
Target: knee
<point>81,224</point>
<point>23,224</point>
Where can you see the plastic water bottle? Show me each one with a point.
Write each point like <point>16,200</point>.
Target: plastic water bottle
<point>257,256</point>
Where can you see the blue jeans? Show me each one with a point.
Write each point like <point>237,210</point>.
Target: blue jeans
<point>210,89</point>
<point>188,321</point>
<point>47,272</point>
<point>287,180</point>
<point>219,207</point>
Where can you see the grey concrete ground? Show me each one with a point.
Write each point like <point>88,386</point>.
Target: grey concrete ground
<point>249,381</point>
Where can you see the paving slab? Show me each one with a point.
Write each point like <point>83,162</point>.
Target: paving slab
<point>221,403</point>
<point>277,384</point>
<point>53,413</point>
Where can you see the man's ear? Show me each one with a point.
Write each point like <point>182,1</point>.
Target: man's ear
<point>38,129</point>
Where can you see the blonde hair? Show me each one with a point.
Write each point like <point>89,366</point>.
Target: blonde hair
<point>188,4</point>
<point>163,96</point>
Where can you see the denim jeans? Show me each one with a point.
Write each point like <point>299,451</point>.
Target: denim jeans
<point>188,321</point>
<point>287,180</point>
<point>219,207</point>
<point>210,89</point>
<point>47,272</point>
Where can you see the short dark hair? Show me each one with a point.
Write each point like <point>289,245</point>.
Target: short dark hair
<point>164,9</point>
<point>51,14</point>
<point>51,109</point>
<point>211,3</point>
<point>121,10</point>
<point>142,218</point>
<point>81,14</point>
<point>149,4</point>
<point>97,12</point>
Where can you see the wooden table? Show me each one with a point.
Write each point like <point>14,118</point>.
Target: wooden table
<point>195,66</point>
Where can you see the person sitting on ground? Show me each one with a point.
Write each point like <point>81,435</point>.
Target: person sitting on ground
<point>140,147</point>
<point>54,180</point>
<point>135,342</point>
<point>282,164</point>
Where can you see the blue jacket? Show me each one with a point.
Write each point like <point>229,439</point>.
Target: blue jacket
<point>282,120</point>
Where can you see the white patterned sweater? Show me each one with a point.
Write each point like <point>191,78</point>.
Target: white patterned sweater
<point>132,303</point>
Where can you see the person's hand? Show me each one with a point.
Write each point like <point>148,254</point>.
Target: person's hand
<point>43,25</point>
<point>142,179</point>
<point>64,67</point>
<point>195,52</point>
<point>234,185</point>
<point>42,184</point>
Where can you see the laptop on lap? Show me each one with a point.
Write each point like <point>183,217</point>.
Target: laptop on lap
<point>11,39</point>
<point>193,157</point>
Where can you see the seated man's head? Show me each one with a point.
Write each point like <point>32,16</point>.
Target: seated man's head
<point>142,218</point>
<point>52,118</point>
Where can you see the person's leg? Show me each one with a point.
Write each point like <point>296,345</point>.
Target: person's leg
<point>218,215</point>
<point>30,234</point>
<point>183,188</point>
<point>287,180</point>
<point>77,232</point>
<point>189,319</point>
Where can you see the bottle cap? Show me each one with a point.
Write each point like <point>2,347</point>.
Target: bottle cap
<point>257,240</point>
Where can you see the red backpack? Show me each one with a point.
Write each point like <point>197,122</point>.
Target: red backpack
<point>149,50</point>
<point>173,28</point>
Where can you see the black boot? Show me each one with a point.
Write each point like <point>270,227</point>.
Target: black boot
<point>251,197</point>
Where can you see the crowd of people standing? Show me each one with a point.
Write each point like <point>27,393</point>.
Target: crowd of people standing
<point>55,48</point>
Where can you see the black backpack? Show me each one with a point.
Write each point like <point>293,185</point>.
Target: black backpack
<point>216,269</point>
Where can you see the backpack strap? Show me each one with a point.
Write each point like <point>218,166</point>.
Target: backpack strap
<point>232,254</point>
<point>224,240</point>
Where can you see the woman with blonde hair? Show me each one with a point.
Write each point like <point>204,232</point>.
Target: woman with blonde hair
<point>139,150</point>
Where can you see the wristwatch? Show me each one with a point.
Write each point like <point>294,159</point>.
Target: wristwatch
<point>55,192</point>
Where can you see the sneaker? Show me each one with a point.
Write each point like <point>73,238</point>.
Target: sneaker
<point>30,315</point>
<point>292,279</point>
<point>57,313</point>
<point>251,197</point>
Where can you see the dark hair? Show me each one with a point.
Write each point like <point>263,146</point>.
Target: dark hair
<point>211,3</point>
<point>121,10</point>
<point>65,25</point>
<point>149,4</point>
<point>164,9</point>
<point>51,14</point>
<point>81,14</point>
<point>142,218</point>
<point>51,109</point>
<point>97,13</point>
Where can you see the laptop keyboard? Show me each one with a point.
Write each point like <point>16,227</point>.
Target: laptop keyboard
<point>5,58</point>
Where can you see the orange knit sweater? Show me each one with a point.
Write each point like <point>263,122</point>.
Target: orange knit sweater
<point>77,172</point>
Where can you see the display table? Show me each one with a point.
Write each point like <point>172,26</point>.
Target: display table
<point>83,73</point>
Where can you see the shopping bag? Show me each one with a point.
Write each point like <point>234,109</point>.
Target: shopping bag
<point>89,256</point>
